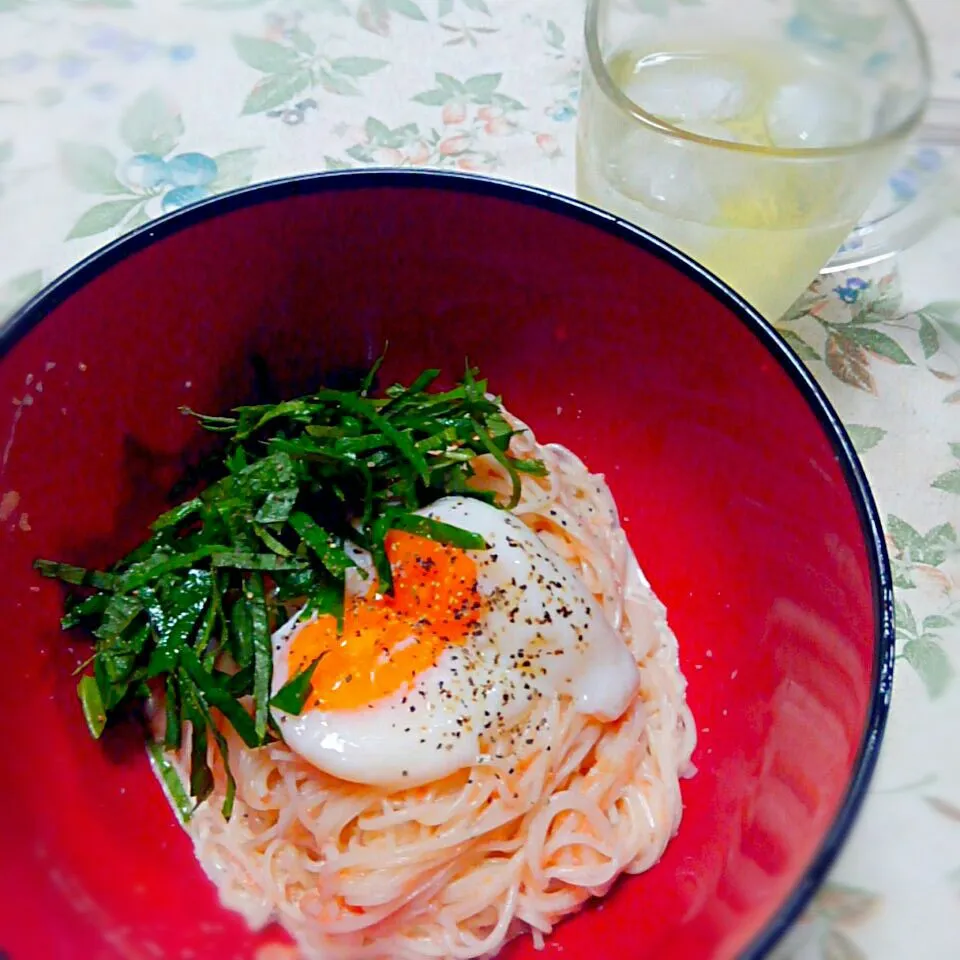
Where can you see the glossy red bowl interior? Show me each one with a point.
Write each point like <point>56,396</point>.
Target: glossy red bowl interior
<point>741,496</point>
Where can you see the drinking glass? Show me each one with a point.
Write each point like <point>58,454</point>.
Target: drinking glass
<point>751,134</point>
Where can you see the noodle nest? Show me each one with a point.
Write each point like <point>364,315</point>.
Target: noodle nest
<point>553,813</point>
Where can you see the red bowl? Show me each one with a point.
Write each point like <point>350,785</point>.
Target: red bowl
<point>740,492</point>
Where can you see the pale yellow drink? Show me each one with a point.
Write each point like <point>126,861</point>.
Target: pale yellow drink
<point>752,195</point>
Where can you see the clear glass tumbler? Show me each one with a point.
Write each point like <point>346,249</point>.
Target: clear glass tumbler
<point>751,134</point>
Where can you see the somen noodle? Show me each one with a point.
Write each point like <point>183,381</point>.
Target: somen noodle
<point>554,811</point>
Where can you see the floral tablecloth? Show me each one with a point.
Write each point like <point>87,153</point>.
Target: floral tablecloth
<point>115,111</point>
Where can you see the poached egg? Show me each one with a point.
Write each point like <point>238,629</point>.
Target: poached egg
<point>417,682</point>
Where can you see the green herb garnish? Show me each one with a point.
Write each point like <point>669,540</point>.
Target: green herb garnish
<point>293,695</point>
<point>190,612</point>
<point>92,704</point>
<point>171,781</point>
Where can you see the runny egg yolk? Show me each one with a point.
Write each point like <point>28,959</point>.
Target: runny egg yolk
<point>388,640</point>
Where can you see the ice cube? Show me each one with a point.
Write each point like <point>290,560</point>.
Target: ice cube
<point>815,112</point>
<point>690,87</point>
<point>665,175</point>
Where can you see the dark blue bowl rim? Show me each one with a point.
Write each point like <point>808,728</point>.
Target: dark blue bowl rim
<point>32,313</point>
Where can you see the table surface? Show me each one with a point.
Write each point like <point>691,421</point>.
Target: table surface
<point>96,96</point>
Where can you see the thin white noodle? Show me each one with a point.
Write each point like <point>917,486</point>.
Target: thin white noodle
<point>454,869</point>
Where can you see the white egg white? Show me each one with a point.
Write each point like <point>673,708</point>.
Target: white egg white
<point>543,634</point>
